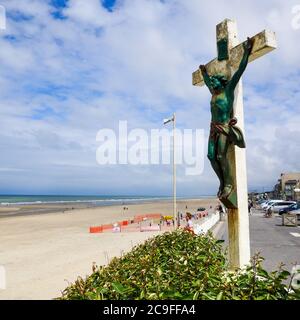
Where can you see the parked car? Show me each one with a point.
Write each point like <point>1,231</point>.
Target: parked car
<point>277,206</point>
<point>292,208</point>
<point>201,209</point>
<point>264,203</point>
<point>261,201</point>
<point>267,205</point>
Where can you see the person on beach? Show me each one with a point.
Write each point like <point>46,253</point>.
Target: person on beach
<point>189,226</point>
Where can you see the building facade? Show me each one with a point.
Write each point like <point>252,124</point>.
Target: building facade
<point>288,186</point>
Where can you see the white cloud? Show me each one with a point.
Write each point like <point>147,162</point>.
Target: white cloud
<point>87,12</point>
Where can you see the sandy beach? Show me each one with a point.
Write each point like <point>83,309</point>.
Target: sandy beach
<point>41,253</point>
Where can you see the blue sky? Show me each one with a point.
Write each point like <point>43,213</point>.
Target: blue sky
<point>60,4</point>
<point>70,68</point>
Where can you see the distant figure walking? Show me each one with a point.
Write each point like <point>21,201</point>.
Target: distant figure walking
<point>250,206</point>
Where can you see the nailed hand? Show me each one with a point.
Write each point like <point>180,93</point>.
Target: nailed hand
<point>248,45</point>
<point>203,68</point>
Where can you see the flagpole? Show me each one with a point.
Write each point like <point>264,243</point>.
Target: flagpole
<point>174,173</point>
<point>166,121</point>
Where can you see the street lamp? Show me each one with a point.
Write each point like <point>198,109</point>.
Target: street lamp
<point>166,121</point>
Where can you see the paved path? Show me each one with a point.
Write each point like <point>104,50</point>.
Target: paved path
<point>275,242</point>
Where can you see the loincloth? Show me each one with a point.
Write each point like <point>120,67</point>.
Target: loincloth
<point>234,133</point>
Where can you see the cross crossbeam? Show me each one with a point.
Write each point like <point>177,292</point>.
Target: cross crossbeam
<point>264,42</point>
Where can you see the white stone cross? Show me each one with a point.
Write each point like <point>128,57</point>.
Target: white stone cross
<point>230,53</point>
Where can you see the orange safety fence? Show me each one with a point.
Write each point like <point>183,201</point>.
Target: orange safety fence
<point>107,226</point>
<point>98,229</point>
<point>140,218</point>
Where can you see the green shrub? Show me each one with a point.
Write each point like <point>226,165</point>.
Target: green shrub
<point>180,265</point>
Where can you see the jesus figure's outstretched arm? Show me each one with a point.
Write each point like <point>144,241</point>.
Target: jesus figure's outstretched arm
<point>206,78</point>
<point>242,67</point>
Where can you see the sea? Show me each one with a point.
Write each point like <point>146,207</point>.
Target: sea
<point>97,200</point>
<point>6,200</point>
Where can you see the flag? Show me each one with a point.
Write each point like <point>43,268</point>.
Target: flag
<point>166,121</point>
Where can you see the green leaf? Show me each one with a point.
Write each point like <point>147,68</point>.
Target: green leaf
<point>119,288</point>
<point>220,296</point>
<point>285,274</point>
